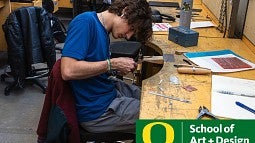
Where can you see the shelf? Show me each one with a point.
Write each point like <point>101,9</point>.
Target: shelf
<point>16,5</point>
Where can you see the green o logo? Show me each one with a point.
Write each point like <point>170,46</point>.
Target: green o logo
<point>147,132</point>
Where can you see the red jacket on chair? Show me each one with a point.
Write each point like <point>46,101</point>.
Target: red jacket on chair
<point>58,94</point>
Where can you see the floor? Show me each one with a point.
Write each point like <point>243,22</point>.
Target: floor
<point>20,111</point>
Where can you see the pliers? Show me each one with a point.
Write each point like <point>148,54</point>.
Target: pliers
<point>203,111</point>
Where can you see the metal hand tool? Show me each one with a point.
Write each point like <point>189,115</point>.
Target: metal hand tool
<point>203,111</point>
<point>171,97</point>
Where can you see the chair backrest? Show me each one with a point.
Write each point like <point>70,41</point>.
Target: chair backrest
<point>29,39</point>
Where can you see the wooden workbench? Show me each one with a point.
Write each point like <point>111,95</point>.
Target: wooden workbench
<point>156,107</point>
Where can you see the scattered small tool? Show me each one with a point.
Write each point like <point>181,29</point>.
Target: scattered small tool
<point>188,61</point>
<point>180,52</point>
<point>203,111</point>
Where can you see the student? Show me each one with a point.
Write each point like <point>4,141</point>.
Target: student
<point>104,104</point>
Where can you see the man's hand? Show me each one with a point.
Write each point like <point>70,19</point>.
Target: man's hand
<point>123,65</point>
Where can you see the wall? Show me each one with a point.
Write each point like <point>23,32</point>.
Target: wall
<point>214,6</point>
<point>4,11</point>
<point>249,28</point>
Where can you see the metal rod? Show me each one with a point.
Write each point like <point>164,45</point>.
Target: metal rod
<point>170,97</point>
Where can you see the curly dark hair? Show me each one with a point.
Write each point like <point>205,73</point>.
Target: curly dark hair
<point>138,15</point>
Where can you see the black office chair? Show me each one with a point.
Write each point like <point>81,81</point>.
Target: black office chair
<point>29,38</point>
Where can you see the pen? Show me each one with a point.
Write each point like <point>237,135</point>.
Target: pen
<point>245,107</point>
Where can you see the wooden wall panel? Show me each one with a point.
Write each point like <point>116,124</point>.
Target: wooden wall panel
<point>249,28</point>
<point>4,12</point>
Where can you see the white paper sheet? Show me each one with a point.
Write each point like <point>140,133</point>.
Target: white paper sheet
<point>201,24</point>
<point>224,105</point>
<point>205,59</point>
<point>160,26</point>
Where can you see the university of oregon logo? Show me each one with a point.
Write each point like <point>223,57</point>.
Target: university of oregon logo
<point>195,131</point>
<point>154,132</point>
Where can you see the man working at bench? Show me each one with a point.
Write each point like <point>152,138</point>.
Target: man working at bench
<point>104,104</point>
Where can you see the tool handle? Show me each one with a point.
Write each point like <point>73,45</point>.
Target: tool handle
<point>139,67</point>
<point>193,70</point>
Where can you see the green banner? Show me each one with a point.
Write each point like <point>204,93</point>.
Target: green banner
<point>195,131</point>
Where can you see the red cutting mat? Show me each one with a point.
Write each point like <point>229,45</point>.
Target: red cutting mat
<point>231,63</point>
